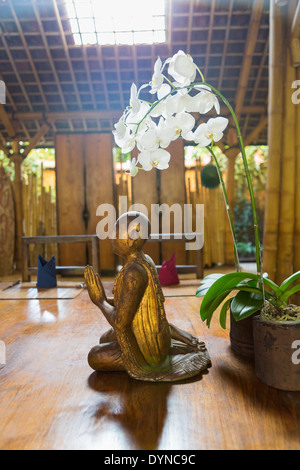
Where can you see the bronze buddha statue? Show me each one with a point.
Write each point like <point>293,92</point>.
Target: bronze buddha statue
<point>141,341</point>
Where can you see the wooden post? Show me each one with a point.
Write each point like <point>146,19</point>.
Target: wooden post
<point>297,194</point>
<point>18,193</point>
<point>275,112</point>
<point>288,184</point>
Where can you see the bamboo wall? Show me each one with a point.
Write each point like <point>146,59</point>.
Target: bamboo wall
<point>281,248</point>
<point>39,209</point>
<point>215,218</point>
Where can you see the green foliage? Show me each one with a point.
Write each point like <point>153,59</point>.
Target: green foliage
<point>257,157</point>
<point>243,215</point>
<point>31,165</point>
<point>215,289</point>
<point>119,156</point>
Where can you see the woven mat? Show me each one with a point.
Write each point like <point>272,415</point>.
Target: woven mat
<point>186,288</point>
<point>28,291</point>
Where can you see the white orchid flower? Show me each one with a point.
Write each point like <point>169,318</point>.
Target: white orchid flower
<point>127,144</point>
<point>209,132</point>
<point>133,168</point>
<point>156,136</point>
<point>133,119</point>
<point>176,103</point>
<point>135,103</point>
<point>159,159</point>
<point>157,78</point>
<point>123,136</point>
<point>203,102</point>
<point>160,108</point>
<point>182,69</point>
<point>163,91</point>
<point>121,128</point>
<point>181,125</point>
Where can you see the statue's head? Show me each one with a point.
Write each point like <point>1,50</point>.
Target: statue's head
<point>131,232</point>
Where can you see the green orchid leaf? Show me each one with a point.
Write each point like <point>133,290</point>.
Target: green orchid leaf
<point>215,304</point>
<point>245,304</point>
<point>287,294</point>
<point>223,313</point>
<point>271,284</point>
<point>212,276</point>
<point>287,282</point>
<point>206,283</point>
<point>225,284</point>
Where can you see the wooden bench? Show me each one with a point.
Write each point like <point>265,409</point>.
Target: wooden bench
<point>198,268</point>
<point>28,270</point>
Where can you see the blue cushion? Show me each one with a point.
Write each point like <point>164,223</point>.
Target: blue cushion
<point>46,272</point>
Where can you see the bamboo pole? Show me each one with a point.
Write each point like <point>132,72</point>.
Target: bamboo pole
<point>275,107</point>
<point>297,193</point>
<point>288,184</point>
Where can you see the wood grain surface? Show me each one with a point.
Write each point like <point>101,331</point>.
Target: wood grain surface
<point>51,399</point>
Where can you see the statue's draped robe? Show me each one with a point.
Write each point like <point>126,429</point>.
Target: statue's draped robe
<point>147,349</point>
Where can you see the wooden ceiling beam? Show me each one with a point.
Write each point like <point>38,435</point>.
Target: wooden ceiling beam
<point>249,139</point>
<point>248,55</point>
<point>253,30</point>
<point>108,115</point>
<point>36,139</point>
<point>6,120</point>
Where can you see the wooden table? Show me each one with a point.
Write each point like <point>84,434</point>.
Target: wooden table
<point>50,398</point>
<point>28,270</point>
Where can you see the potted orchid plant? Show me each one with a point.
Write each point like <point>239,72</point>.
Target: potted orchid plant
<point>151,126</point>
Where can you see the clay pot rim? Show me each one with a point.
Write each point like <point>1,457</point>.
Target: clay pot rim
<point>278,323</point>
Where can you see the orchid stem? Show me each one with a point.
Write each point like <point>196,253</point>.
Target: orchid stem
<point>250,186</point>
<point>232,228</point>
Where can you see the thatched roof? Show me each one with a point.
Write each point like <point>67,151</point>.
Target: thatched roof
<point>86,88</point>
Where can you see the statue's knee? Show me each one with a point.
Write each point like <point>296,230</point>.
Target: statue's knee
<point>104,357</point>
<point>94,358</point>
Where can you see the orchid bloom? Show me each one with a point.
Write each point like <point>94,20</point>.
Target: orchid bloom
<point>121,129</point>
<point>203,102</point>
<point>209,132</point>
<point>133,171</point>
<point>182,69</point>
<point>158,159</point>
<point>177,103</point>
<point>152,127</point>
<point>123,136</point>
<point>156,136</point>
<point>181,125</point>
<point>135,103</point>
<point>157,78</point>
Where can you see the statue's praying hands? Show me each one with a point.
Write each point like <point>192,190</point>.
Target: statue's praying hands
<point>95,287</point>
<point>140,340</point>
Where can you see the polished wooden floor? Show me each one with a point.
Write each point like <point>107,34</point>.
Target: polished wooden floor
<point>50,399</point>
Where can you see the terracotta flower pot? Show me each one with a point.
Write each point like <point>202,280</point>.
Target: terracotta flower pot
<point>277,353</point>
<point>241,336</point>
